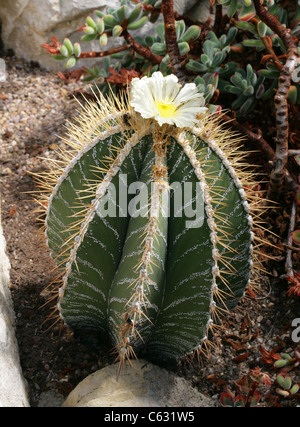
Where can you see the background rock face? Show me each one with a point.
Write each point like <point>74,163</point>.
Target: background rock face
<point>27,24</point>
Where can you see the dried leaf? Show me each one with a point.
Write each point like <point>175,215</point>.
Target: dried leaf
<point>122,78</point>
<point>238,346</point>
<point>241,357</point>
<point>269,357</point>
<point>294,288</point>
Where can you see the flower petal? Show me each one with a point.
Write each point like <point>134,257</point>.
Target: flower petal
<point>165,100</point>
<point>171,88</point>
<point>188,92</point>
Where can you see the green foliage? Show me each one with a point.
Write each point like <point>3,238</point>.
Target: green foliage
<point>286,386</point>
<point>248,88</point>
<point>204,57</point>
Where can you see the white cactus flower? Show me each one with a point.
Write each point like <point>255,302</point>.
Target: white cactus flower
<point>167,101</point>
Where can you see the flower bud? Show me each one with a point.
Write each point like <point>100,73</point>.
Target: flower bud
<point>117,30</point>
<point>69,45</point>
<point>63,50</point>
<point>77,50</point>
<point>100,26</point>
<point>71,62</point>
<point>103,40</point>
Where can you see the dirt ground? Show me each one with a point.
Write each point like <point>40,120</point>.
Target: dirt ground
<point>35,106</point>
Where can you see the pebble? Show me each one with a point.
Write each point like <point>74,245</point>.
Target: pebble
<point>6,171</point>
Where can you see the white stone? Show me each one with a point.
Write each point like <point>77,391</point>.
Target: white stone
<point>13,391</point>
<point>140,385</point>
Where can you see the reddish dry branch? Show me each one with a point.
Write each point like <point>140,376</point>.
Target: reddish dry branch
<point>264,147</point>
<point>94,54</point>
<point>167,9</point>
<point>141,50</point>
<point>281,103</point>
<point>257,138</point>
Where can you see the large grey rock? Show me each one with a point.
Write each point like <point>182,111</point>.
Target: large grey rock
<point>140,385</point>
<point>13,391</point>
<point>27,24</point>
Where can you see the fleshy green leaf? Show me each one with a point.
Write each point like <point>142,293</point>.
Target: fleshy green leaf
<point>296,237</point>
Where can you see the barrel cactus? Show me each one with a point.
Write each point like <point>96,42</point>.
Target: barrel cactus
<point>149,220</point>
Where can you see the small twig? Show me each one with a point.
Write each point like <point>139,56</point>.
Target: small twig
<point>178,69</point>
<point>257,138</point>
<point>141,50</point>
<point>293,248</point>
<point>280,100</point>
<point>268,45</point>
<point>264,146</point>
<point>108,52</point>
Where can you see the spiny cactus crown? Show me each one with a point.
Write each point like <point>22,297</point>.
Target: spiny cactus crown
<point>150,220</point>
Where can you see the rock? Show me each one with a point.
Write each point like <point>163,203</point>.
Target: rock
<point>2,70</point>
<point>200,11</point>
<point>27,24</point>
<point>182,6</point>
<point>140,385</point>
<point>13,391</point>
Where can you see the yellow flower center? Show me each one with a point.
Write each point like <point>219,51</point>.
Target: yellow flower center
<point>166,109</point>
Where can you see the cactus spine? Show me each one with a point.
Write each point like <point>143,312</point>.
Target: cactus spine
<point>154,285</point>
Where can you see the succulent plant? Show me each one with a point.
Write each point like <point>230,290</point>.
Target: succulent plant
<point>229,400</point>
<point>149,224</point>
<point>184,37</point>
<point>203,58</point>
<point>286,387</point>
<point>214,53</point>
<point>248,88</point>
<point>288,360</point>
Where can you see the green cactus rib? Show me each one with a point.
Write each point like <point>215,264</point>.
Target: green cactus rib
<point>155,286</point>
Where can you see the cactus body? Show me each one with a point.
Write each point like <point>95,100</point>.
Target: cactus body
<point>146,275</point>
